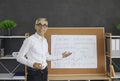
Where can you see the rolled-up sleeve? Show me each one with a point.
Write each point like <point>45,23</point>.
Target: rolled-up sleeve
<point>53,57</point>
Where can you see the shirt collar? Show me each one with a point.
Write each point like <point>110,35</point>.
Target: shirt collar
<point>38,36</point>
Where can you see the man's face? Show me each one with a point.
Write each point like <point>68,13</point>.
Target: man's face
<point>41,27</point>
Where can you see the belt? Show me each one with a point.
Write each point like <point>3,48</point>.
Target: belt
<point>33,69</point>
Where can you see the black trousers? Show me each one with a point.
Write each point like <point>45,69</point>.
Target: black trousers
<point>37,75</point>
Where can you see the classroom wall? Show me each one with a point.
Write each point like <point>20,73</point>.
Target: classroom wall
<point>61,13</point>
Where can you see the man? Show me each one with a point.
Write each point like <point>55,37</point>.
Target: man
<point>34,53</point>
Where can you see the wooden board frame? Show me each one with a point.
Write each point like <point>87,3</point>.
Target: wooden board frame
<point>101,58</point>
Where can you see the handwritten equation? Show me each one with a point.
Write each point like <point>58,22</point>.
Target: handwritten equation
<point>83,48</point>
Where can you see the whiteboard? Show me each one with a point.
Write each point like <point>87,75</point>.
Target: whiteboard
<point>83,48</point>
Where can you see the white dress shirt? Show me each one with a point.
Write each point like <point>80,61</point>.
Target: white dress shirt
<point>35,49</point>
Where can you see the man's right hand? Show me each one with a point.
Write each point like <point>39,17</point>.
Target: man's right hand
<point>37,65</point>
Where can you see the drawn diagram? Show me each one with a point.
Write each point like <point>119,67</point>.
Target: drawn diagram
<point>83,48</point>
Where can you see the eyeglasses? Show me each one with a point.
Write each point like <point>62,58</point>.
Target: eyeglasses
<point>40,25</point>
